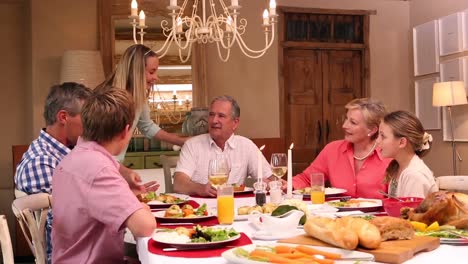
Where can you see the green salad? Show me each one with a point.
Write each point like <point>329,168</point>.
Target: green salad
<point>454,233</point>
<point>212,234</point>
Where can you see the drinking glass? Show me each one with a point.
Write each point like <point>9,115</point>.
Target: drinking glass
<point>317,188</point>
<point>279,164</point>
<point>218,171</point>
<point>225,204</point>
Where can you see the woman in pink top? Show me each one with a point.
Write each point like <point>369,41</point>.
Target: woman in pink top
<point>353,164</point>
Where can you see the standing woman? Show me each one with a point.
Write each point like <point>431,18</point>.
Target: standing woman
<point>402,138</point>
<point>353,164</point>
<point>137,73</point>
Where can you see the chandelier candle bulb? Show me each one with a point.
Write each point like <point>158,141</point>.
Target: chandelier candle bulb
<point>134,8</point>
<point>179,27</point>
<point>260,164</point>
<point>173,3</point>
<point>229,24</point>
<point>266,22</point>
<point>142,19</point>
<point>272,7</point>
<point>234,3</point>
<point>289,183</point>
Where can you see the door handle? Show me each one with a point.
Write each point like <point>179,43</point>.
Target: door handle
<point>328,129</point>
<point>319,132</point>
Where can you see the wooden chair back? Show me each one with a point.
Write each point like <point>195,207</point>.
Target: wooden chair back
<point>5,241</point>
<point>31,214</point>
<point>168,162</point>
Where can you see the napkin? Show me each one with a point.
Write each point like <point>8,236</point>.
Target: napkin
<point>156,248</point>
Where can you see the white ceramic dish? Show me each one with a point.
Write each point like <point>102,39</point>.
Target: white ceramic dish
<point>191,245</point>
<point>363,205</point>
<point>161,219</point>
<point>328,192</point>
<point>366,257</point>
<point>159,204</point>
<point>246,190</point>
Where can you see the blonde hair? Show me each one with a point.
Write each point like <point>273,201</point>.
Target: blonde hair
<point>130,74</point>
<point>106,113</point>
<point>405,125</point>
<point>372,110</point>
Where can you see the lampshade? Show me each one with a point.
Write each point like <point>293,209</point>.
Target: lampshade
<point>448,93</point>
<point>82,66</point>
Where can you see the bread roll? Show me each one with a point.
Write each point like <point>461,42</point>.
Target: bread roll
<point>331,231</point>
<point>243,210</point>
<point>393,228</point>
<point>368,234</point>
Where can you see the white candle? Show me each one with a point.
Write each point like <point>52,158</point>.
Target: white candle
<point>272,7</point>
<point>134,8</point>
<point>260,164</point>
<point>179,25</point>
<point>142,19</point>
<point>289,184</point>
<point>173,3</point>
<point>234,2</point>
<point>229,24</point>
<point>266,22</point>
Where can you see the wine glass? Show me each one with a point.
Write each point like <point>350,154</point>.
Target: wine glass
<point>279,164</point>
<point>218,171</point>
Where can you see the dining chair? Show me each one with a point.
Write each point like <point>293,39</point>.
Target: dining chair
<point>31,213</point>
<point>454,183</point>
<point>5,241</point>
<point>168,162</point>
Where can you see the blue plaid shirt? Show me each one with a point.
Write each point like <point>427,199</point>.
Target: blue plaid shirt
<point>34,172</point>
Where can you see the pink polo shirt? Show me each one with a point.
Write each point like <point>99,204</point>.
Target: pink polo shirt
<point>336,162</point>
<point>91,202</point>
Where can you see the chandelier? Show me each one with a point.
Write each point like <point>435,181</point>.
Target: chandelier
<point>209,24</point>
<point>172,107</point>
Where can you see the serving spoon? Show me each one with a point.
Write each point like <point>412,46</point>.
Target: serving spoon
<point>390,196</point>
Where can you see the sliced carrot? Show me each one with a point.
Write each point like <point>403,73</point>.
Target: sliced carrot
<point>290,255</point>
<point>323,261</point>
<point>307,260</point>
<point>284,249</point>
<point>312,251</point>
<point>272,257</point>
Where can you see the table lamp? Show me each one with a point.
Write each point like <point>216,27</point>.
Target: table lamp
<point>449,94</point>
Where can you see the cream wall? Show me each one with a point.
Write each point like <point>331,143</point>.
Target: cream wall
<point>254,83</point>
<point>440,157</point>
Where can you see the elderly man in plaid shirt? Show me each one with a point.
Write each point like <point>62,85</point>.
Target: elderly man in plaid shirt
<point>63,127</point>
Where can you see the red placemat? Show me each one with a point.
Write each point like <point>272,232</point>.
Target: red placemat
<point>208,222</point>
<point>156,248</point>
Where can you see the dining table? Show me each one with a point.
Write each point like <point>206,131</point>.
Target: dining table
<point>442,254</point>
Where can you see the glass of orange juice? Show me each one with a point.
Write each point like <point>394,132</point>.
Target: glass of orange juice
<point>225,204</point>
<point>317,188</point>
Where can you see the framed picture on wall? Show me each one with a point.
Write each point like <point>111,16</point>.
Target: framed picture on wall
<point>428,114</point>
<point>451,34</point>
<point>452,70</point>
<point>426,48</point>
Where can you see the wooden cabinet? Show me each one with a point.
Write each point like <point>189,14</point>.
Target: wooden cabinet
<point>146,160</point>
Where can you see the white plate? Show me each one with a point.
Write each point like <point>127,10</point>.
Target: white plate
<point>366,205</point>
<point>160,217</point>
<point>159,204</point>
<point>190,245</point>
<point>328,192</point>
<point>231,257</point>
<point>264,235</point>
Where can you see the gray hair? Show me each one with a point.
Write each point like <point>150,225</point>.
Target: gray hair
<point>235,109</point>
<point>66,96</point>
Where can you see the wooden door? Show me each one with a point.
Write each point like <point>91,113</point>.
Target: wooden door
<point>318,83</point>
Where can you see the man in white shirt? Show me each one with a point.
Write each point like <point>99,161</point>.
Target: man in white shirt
<point>191,176</point>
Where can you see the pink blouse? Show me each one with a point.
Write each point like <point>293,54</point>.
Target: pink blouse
<point>336,162</point>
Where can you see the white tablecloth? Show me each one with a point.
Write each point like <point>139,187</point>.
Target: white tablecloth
<point>443,254</point>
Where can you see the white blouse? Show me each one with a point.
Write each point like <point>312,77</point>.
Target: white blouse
<point>417,180</point>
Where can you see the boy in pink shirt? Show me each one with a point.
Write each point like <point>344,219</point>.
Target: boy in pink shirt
<point>92,202</point>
